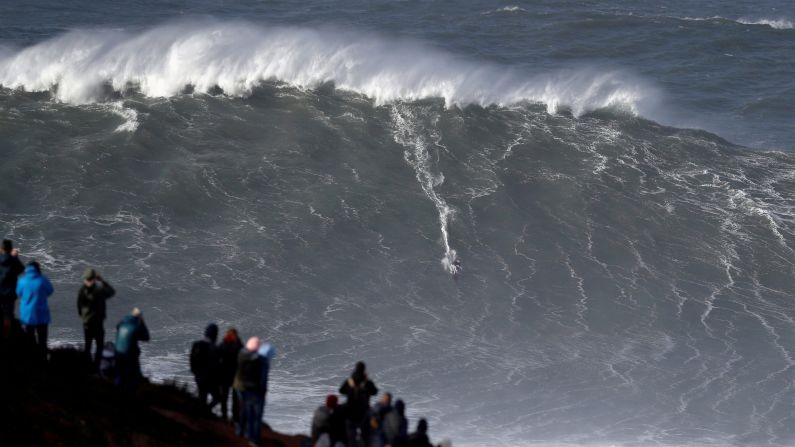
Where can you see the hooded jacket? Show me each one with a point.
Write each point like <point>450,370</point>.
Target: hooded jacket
<point>91,302</point>
<point>10,269</point>
<point>129,332</point>
<point>204,356</point>
<point>358,389</point>
<point>33,289</point>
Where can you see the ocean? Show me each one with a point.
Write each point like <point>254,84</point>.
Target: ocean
<point>616,179</point>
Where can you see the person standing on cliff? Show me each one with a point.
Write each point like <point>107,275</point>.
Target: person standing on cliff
<point>329,421</point>
<point>247,385</point>
<point>377,415</point>
<point>205,366</point>
<point>130,330</point>
<point>228,350</point>
<point>266,353</point>
<point>10,269</point>
<point>420,437</point>
<point>358,389</point>
<point>91,307</point>
<point>396,426</point>
<point>33,289</point>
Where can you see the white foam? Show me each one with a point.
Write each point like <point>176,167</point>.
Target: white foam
<point>773,23</point>
<point>237,56</point>
<point>780,23</point>
<point>505,9</point>
<point>418,157</point>
<point>130,116</point>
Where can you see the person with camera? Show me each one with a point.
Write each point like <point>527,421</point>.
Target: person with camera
<point>91,299</point>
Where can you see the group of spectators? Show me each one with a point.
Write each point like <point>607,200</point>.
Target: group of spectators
<point>356,424</point>
<point>221,370</point>
<point>230,367</point>
<point>26,283</point>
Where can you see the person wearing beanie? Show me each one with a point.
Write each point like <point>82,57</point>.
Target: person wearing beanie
<point>33,289</point>
<point>228,350</point>
<point>205,366</point>
<point>329,420</point>
<point>358,389</point>
<point>248,386</point>
<point>91,308</point>
<point>129,332</point>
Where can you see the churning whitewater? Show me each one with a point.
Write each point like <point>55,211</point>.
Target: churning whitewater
<point>237,57</point>
<point>627,278</point>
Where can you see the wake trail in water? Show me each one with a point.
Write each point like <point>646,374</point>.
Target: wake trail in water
<point>79,66</point>
<point>407,133</point>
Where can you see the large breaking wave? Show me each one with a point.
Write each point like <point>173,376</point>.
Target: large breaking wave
<point>203,56</point>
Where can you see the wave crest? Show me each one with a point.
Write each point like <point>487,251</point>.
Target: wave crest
<point>780,23</point>
<point>773,23</point>
<point>235,57</point>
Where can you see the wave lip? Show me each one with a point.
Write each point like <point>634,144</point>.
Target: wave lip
<point>238,56</point>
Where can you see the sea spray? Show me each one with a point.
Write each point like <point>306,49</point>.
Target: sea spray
<point>235,57</point>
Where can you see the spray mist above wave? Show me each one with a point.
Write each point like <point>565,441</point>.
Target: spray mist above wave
<point>237,56</point>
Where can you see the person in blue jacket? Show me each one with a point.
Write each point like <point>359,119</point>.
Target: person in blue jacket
<point>33,288</point>
<point>130,330</point>
<point>266,353</point>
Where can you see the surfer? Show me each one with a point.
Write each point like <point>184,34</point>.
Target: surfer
<point>456,267</point>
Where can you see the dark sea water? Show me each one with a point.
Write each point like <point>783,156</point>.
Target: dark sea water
<point>617,179</point>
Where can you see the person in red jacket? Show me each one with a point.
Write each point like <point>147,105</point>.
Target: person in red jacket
<point>228,350</point>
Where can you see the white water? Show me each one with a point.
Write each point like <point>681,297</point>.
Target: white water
<point>773,23</point>
<point>780,23</point>
<point>77,67</point>
<point>419,158</point>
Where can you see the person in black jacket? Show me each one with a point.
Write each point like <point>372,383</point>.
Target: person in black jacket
<point>91,307</point>
<point>420,437</point>
<point>205,366</point>
<point>358,389</point>
<point>228,350</point>
<point>10,269</point>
